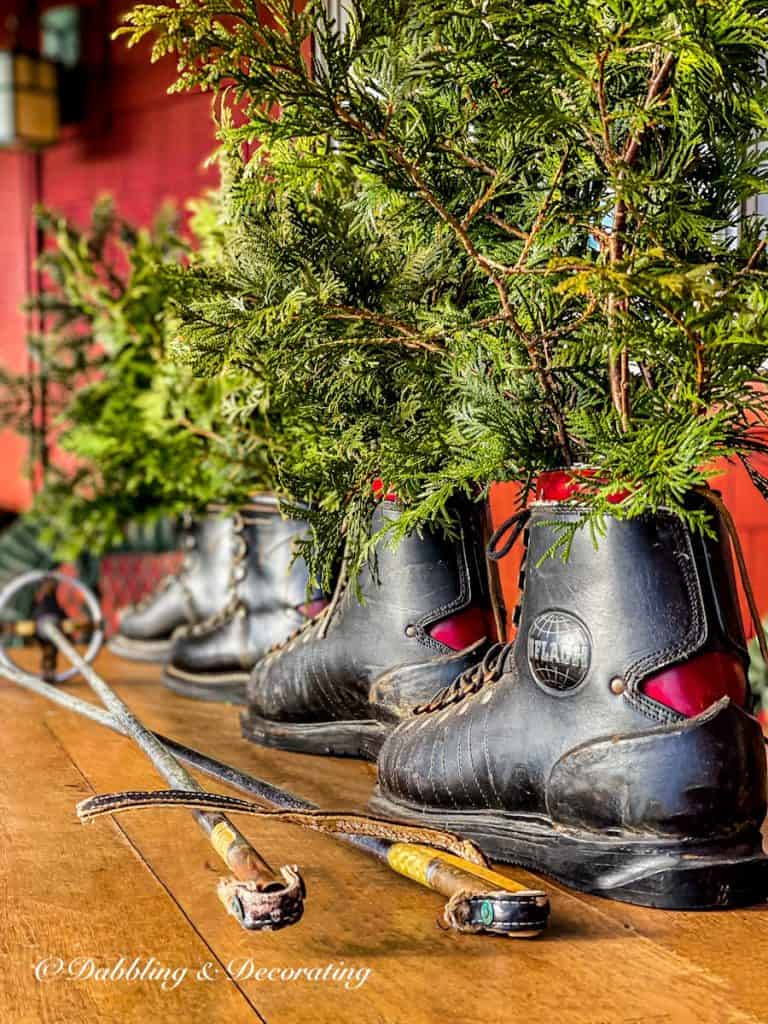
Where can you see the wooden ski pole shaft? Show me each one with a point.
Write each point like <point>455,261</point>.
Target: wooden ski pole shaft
<point>257,896</point>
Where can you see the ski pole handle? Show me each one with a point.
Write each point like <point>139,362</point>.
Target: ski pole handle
<point>479,899</point>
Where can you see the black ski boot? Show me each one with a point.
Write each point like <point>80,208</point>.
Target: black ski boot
<point>610,744</point>
<point>341,683</point>
<point>194,593</point>
<point>266,600</point>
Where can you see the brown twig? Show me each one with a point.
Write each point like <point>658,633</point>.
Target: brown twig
<point>412,343</point>
<point>752,261</point>
<point>602,105</point>
<point>510,229</point>
<point>618,369</point>
<point>560,332</point>
<point>209,435</point>
<point>469,161</point>
<point>697,345</point>
<point>356,313</point>
<point>480,202</point>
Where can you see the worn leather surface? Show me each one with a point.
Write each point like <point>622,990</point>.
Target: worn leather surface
<point>196,592</point>
<point>320,678</point>
<point>265,590</point>
<point>395,693</point>
<point>709,770</point>
<point>651,595</point>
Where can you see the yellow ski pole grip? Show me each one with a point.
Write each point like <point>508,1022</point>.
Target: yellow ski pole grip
<point>479,899</point>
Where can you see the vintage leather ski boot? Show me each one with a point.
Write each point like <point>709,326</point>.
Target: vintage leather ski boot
<point>194,593</point>
<point>341,683</point>
<point>610,745</point>
<point>266,599</point>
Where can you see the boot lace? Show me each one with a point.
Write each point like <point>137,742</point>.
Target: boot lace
<point>322,620</point>
<point>472,680</point>
<point>490,669</point>
<point>233,604</point>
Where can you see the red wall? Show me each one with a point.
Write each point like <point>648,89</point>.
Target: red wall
<point>136,143</point>
<point>14,491</point>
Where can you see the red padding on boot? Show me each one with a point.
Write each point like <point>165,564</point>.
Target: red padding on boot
<point>313,608</point>
<point>560,484</point>
<point>380,491</point>
<point>463,629</point>
<point>694,686</point>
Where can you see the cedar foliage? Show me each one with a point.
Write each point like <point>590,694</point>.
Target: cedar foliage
<point>488,238</point>
<point>133,435</point>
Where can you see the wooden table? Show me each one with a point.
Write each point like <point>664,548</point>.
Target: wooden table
<point>142,888</point>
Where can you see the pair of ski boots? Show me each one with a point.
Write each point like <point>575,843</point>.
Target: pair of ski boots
<point>238,592</point>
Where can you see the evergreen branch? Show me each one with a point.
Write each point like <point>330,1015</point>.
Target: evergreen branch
<point>540,218</point>
<point>474,163</point>
<point>493,270</point>
<point>412,343</point>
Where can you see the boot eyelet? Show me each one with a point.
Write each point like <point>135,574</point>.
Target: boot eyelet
<point>618,685</point>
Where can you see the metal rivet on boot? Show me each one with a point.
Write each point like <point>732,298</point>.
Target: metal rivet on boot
<point>618,686</point>
<point>410,631</point>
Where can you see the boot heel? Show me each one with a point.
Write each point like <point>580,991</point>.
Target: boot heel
<point>702,879</point>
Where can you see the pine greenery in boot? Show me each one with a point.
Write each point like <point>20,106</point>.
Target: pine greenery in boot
<point>299,303</point>
<point>133,436</point>
<point>572,184</point>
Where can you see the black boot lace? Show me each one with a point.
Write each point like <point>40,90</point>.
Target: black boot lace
<point>490,669</point>
<point>321,621</point>
<point>233,604</point>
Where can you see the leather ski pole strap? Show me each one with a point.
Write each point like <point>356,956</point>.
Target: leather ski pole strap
<point>328,822</point>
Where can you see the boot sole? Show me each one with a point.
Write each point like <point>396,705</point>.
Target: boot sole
<point>223,688</point>
<point>360,739</point>
<point>156,651</point>
<point>688,875</point>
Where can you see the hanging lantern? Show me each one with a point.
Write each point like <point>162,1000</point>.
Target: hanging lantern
<point>29,100</point>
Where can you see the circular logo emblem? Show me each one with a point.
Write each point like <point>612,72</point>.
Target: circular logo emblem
<point>559,650</point>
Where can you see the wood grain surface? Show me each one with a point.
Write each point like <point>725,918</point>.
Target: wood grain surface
<point>143,886</point>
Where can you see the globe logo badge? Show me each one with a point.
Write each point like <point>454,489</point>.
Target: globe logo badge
<point>559,650</point>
